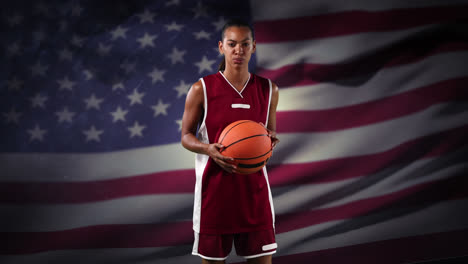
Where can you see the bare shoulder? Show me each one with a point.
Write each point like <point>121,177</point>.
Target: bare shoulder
<point>195,94</point>
<point>274,87</point>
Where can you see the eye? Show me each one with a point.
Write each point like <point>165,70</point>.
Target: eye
<point>232,45</point>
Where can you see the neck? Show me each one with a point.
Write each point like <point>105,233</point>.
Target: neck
<point>237,78</point>
<point>236,75</point>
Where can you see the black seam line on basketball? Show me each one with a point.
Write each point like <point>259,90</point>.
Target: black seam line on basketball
<point>259,135</point>
<point>227,132</point>
<point>250,166</point>
<point>254,157</point>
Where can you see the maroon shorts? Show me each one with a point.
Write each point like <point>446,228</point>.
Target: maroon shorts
<point>249,245</point>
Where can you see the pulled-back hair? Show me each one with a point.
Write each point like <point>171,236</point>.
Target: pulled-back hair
<point>234,23</point>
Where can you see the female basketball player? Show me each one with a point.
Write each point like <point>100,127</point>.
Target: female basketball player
<point>230,207</point>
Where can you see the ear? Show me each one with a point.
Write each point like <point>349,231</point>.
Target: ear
<point>254,46</point>
<point>220,47</point>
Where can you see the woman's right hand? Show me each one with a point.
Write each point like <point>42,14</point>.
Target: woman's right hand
<point>226,163</point>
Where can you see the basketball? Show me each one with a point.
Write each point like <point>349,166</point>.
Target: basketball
<point>248,143</point>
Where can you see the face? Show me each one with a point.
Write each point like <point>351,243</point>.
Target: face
<point>237,46</point>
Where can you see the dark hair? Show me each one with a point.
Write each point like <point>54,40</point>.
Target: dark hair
<point>234,23</point>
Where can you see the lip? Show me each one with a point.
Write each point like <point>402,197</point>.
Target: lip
<point>238,60</point>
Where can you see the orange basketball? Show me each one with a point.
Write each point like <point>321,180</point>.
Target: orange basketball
<point>248,143</point>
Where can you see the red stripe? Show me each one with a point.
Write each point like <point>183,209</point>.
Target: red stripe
<point>400,202</point>
<point>351,22</point>
<point>376,111</point>
<point>411,249</point>
<point>173,234</point>
<point>103,236</point>
<point>351,167</point>
<point>181,181</point>
<point>406,52</point>
<point>280,175</point>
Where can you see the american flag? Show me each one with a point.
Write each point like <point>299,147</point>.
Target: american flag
<point>373,122</point>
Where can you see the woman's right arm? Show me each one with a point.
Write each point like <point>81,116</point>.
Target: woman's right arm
<point>192,115</point>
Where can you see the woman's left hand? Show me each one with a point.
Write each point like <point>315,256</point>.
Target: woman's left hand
<point>272,135</point>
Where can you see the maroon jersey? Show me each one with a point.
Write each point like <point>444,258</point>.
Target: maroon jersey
<point>224,202</point>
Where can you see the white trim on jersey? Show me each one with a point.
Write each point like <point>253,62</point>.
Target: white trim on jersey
<point>195,249</point>
<point>270,197</point>
<point>245,85</point>
<point>200,164</point>
<point>269,103</point>
<point>260,255</point>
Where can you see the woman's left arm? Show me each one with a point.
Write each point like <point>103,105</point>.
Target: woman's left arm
<point>271,126</point>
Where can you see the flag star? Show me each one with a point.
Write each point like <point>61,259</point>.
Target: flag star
<point>128,67</point>
<point>36,133</point>
<point>182,88</point>
<point>103,50</point>
<point>118,85</point>
<point>202,35</point>
<point>93,102</point>
<point>136,130</point>
<point>119,114</point>
<point>157,75</point>
<point>219,24</point>
<point>174,27</point>
<point>147,40</point>
<point>146,16</point>
<point>66,84</point>
<point>135,97</point>
<point>13,49</point>
<point>200,10</point>
<point>77,40</point>
<point>205,65</point>
<point>172,2</point>
<point>76,10</point>
<point>39,69</point>
<point>160,108</point>
<point>38,101</point>
<point>119,32</point>
<point>14,84</point>
<point>179,122</point>
<point>12,116</point>
<point>65,54</point>
<point>15,20</point>
<point>88,74</point>
<point>177,56</point>
<point>93,134</point>
<point>65,115</point>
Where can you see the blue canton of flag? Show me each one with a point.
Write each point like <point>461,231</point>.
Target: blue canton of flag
<point>87,76</point>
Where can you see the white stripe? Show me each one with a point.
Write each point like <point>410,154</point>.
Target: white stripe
<point>308,147</point>
<point>280,9</point>
<point>142,209</point>
<point>389,180</point>
<point>68,167</point>
<point>329,50</point>
<point>134,210</point>
<point>244,106</point>
<point>368,139</point>
<point>432,219</point>
<point>269,247</point>
<point>386,82</point>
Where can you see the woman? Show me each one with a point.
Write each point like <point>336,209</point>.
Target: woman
<point>230,206</point>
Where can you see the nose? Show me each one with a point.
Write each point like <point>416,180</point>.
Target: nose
<point>239,49</point>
